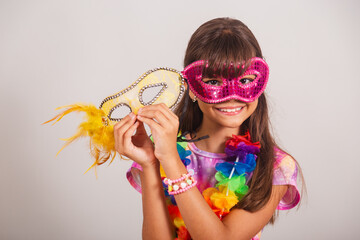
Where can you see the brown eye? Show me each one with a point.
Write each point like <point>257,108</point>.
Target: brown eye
<point>247,79</point>
<point>213,82</point>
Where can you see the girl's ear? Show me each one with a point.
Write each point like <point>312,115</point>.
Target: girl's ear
<point>186,85</point>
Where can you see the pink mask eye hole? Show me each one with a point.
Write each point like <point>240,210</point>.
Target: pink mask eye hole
<point>247,80</point>
<point>213,82</point>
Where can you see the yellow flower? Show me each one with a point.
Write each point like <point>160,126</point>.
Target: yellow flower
<point>225,199</point>
<point>162,172</point>
<point>179,222</point>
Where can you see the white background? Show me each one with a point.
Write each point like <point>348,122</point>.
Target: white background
<point>54,53</point>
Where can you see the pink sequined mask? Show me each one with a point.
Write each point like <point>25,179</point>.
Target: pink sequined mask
<point>238,88</point>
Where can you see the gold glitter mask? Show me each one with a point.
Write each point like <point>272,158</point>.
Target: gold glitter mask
<point>169,81</point>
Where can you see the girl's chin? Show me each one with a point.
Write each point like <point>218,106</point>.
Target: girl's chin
<point>230,124</point>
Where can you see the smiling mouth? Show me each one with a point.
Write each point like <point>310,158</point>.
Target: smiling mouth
<point>230,111</point>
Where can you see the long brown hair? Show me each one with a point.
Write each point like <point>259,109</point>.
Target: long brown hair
<point>226,40</point>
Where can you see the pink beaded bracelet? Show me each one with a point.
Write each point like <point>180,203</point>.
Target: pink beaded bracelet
<point>170,182</point>
<point>186,182</point>
<point>183,189</point>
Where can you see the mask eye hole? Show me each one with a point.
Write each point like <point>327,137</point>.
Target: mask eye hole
<point>247,79</point>
<point>150,93</point>
<point>212,81</point>
<point>119,112</point>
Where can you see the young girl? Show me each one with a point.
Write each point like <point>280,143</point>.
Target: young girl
<point>228,177</point>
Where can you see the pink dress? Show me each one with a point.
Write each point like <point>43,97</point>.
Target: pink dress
<point>203,163</point>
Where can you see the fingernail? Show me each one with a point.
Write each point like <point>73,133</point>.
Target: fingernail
<point>132,115</point>
<point>140,110</point>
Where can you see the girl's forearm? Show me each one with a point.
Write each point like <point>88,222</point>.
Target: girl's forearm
<point>156,220</point>
<point>200,220</point>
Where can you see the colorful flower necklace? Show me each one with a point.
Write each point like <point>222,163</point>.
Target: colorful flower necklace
<point>232,177</point>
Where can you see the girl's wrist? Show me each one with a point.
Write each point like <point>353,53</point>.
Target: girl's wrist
<point>173,167</point>
<point>150,165</point>
<point>169,159</point>
<point>170,154</point>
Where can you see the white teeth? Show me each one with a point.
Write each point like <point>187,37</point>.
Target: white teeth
<point>231,110</point>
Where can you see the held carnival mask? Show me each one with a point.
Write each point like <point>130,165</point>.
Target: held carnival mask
<point>172,89</point>
<point>230,87</point>
<point>99,123</point>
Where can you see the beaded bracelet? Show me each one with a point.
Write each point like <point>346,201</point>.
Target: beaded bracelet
<point>181,190</point>
<point>170,182</point>
<point>187,182</point>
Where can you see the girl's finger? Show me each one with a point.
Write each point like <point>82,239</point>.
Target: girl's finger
<point>124,124</point>
<point>157,107</point>
<point>157,115</point>
<point>163,108</point>
<point>151,123</point>
<point>119,130</point>
<point>168,110</point>
<point>173,120</point>
<point>128,134</point>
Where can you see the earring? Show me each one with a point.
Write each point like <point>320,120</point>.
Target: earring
<point>194,100</point>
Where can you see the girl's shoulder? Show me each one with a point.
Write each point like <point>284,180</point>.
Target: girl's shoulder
<point>283,160</point>
<point>286,173</point>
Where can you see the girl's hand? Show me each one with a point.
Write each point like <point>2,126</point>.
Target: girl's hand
<point>164,126</point>
<point>137,147</point>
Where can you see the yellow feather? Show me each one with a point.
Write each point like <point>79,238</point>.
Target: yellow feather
<point>102,142</point>
<point>71,139</point>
